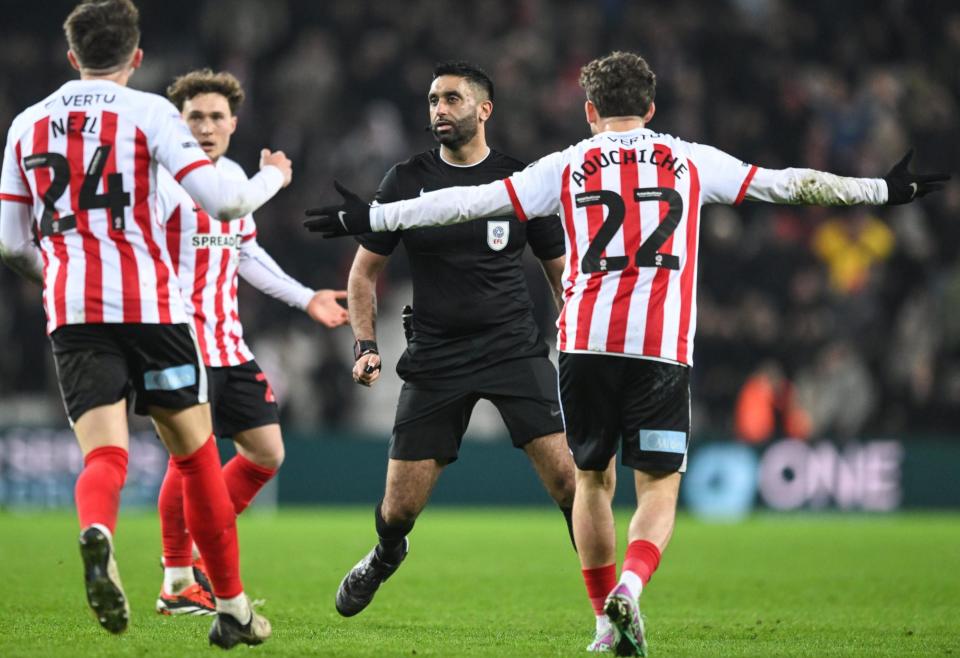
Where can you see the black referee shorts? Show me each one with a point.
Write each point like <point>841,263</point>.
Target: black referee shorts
<point>639,404</point>
<point>432,418</point>
<point>101,364</point>
<point>241,399</point>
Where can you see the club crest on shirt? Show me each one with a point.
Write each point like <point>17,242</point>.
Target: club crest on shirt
<point>498,234</point>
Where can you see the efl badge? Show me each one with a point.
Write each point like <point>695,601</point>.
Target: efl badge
<point>498,233</point>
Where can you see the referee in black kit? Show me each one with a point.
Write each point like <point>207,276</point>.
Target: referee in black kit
<point>473,331</point>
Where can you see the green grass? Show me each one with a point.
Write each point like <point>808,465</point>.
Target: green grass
<point>506,583</point>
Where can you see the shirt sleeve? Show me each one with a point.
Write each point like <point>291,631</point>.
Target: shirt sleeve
<point>259,269</point>
<point>524,194</point>
<point>17,246</point>
<point>174,146</point>
<point>814,188</point>
<point>451,205</point>
<point>535,190</point>
<point>13,180</point>
<point>384,244</point>
<point>176,149</point>
<point>723,178</point>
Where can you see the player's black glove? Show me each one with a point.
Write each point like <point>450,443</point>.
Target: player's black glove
<point>352,217</point>
<point>903,186</point>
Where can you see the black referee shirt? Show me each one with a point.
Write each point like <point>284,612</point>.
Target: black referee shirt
<point>471,304</point>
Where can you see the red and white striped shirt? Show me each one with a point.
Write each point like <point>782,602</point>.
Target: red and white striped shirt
<point>207,255</point>
<point>85,159</point>
<point>84,162</point>
<point>630,206</point>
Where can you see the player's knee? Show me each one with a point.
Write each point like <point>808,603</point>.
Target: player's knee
<point>562,488</point>
<point>567,492</point>
<point>267,456</point>
<point>273,458</point>
<point>596,481</point>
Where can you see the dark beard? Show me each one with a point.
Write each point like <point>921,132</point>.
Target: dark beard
<point>460,133</point>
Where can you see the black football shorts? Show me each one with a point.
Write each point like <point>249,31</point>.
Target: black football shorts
<point>101,364</point>
<point>431,419</point>
<point>639,404</point>
<point>241,399</point>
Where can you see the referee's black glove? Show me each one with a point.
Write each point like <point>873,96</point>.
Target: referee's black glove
<point>903,186</point>
<point>352,217</point>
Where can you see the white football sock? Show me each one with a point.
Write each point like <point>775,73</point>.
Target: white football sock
<point>177,579</point>
<point>603,624</point>
<point>633,583</point>
<point>238,607</point>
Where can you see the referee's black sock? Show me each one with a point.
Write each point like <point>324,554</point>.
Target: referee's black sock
<point>568,515</point>
<point>390,548</point>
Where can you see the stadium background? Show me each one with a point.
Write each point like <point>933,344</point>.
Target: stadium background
<point>838,326</point>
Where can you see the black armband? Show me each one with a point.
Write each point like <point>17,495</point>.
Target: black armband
<point>361,347</point>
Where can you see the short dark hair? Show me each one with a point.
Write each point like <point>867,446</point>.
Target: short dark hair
<point>103,33</point>
<point>620,84</point>
<point>471,72</point>
<point>205,81</point>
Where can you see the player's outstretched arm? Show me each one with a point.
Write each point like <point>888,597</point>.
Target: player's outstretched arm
<point>227,198</point>
<point>451,205</point>
<point>223,197</point>
<point>812,187</point>
<point>259,269</point>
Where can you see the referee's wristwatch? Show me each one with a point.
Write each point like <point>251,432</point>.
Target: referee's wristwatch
<point>362,348</point>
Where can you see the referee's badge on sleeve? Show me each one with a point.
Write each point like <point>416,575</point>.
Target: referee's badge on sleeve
<point>498,233</point>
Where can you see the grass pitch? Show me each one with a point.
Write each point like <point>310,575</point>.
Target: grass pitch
<point>506,583</point>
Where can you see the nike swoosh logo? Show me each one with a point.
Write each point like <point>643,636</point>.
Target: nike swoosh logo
<point>422,191</point>
<point>913,186</point>
<point>555,413</point>
<point>341,215</point>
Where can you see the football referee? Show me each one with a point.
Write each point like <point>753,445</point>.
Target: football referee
<point>472,334</point>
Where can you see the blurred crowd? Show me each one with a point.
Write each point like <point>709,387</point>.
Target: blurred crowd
<point>812,322</point>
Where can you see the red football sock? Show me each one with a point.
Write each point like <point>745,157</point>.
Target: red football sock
<point>210,518</point>
<point>643,558</point>
<point>97,492</point>
<point>599,583</point>
<point>177,543</point>
<point>244,480</point>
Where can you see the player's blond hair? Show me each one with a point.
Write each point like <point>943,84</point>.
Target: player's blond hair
<point>205,81</point>
<point>619,84</point>
<point>103,34</point>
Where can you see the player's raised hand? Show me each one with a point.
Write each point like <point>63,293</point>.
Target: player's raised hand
<point>279,160</point>
<point>352,217</point>
<point>324,309</point>
<point>903,186</point>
